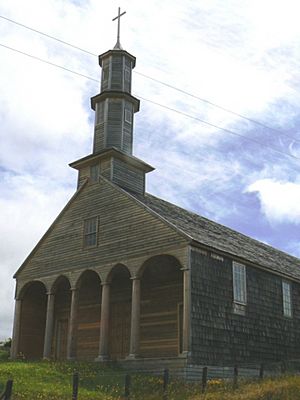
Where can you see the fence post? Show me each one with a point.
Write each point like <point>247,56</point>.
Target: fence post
<point>165,384</point>
<point>127,387</point>
<point>75,386</point>
<point>261,371</point>
<point>8,390</point>
<point>204,379</point>
<point>235,376</point>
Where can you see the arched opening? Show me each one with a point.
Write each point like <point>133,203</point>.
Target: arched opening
<point>33,320</point>
<point>62,305</point>
<point>89,306</point>
<point>120,312</point>
<point>161,307</point>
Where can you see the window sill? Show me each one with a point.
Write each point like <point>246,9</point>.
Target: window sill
<point>239,308</point>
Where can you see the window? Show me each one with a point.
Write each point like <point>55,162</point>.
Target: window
<point>128,116</point>
<point>94,173</point>
<point>105,73</point>
<point>286,299</point>
<point>239,283</point>
<point>127,74</point>
<point>90,230</point>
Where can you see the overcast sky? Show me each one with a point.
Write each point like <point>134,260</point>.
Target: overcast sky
<point>238,55</point>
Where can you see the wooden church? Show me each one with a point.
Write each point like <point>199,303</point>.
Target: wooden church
<point>123,275</point>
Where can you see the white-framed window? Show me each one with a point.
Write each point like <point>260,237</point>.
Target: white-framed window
<point>239,283</point>
<point>90,232</point>
<point>94,172</point>
<point>128,116</point>
<point>286,299</point>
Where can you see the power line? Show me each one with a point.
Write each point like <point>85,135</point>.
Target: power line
<point>217,106</point>
<point>166,107</point>
<point>48,36</point>
<point>158,104</point>
<point>49,62</point>
<point>218,127</point>
<point>158,81</point>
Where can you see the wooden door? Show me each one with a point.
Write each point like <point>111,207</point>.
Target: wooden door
<point>119,330</point>
<point>61,339</point>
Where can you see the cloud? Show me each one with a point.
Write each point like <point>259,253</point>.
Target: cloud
<point>28,206</point>
<point>280,201</point>
<point>236,54</point>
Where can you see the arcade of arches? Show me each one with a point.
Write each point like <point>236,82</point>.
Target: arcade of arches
<point>125,317</point>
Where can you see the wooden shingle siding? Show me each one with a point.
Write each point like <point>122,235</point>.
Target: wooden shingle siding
<point>84,173</point>
<point>105,76</point>
<point>106,169</point>
<point>161,295</point>
<point>127,130</point>
<point>99,139</point>
<point>114,123</point>
<point>89,311</point>
<point>117,73</point>
<point>220,336</point>
<point>126,230</point>
<point>33,321</point>
<point>128,177</point>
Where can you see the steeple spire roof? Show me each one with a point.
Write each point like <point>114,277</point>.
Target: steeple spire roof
<point>114,107</point>
<point>118,17</point>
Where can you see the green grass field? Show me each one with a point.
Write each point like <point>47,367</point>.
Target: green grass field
<point>53,381</point>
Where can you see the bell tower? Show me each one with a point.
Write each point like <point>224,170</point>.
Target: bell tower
<point>114,110</point>
<point>115,106</point>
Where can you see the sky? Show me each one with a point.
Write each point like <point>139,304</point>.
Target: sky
<point>219,83</point>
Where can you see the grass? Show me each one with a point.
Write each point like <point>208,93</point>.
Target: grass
<point>53,381</point>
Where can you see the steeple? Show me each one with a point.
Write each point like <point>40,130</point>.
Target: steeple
<point>114,110</point>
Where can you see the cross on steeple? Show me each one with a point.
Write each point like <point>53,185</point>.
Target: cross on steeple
<point>118,17</point>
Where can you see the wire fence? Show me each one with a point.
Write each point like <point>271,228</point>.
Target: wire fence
<point>164,382</point>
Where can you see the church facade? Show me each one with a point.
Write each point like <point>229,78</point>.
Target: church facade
<point>123,275</point>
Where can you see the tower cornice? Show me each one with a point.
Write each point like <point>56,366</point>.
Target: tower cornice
<point>111,94</point>
<point>108,153</point>
<point>116,52</point>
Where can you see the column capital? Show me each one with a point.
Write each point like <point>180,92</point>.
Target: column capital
<point>185,269</point>
<point>106,283</point>
<point>50,293</point>
<point>73,288</point>
<point>135,278</point>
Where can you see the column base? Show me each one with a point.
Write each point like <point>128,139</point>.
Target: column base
<point>102,358</point>
<point>185,354</point>
<point>132,357</point>
<point>71,358</point>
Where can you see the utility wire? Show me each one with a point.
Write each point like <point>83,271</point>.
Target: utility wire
<point>218,106</point>
<point>214,193</point>
<point>159,104</point>
<point>218,127</point>
<point>48,36</point>
<point>48,62</point>
<point>158,81</point>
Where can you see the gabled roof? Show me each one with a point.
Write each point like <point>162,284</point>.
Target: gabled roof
<point>219,237</point>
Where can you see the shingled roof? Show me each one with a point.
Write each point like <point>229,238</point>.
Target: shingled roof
<point>219,237</point>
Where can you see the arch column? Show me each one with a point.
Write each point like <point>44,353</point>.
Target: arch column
<point>186,342</point>
<point>104,324</point>
<point>135,318</point>
<point>16,329</point>
<point>49,326</point>
<point>71,344</point>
